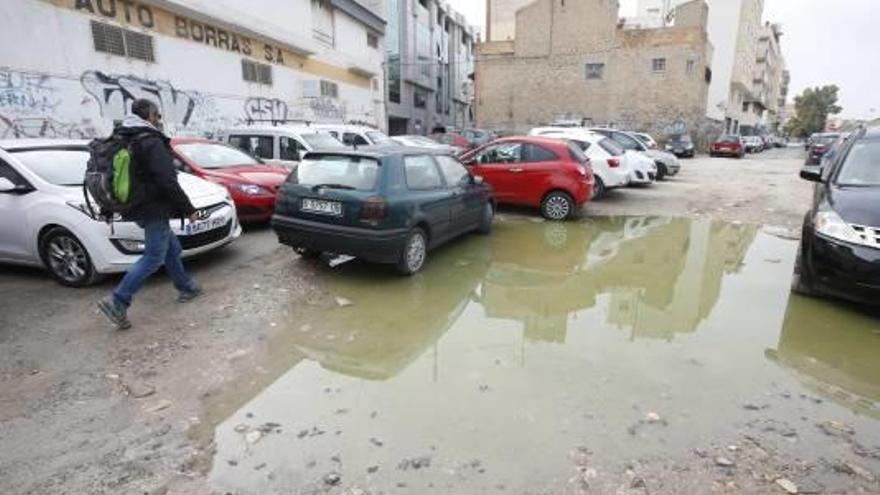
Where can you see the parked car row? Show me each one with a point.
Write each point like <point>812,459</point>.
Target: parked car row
<point>736,146</point>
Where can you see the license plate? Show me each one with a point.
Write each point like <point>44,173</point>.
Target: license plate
<point>203,226</point>
<point>322,207</point>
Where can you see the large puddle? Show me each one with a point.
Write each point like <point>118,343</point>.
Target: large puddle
<point>628,338</point>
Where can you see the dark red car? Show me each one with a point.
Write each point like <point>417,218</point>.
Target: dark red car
<point>252,185</point>
<point>544,173</point>
<point>728,145</point>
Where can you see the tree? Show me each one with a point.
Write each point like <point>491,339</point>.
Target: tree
<point>812,109</point>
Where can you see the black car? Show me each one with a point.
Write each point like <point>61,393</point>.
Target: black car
<point>839,253</point>
<point>681,146</point>
<point>820,145</point>
<point>385,205</point>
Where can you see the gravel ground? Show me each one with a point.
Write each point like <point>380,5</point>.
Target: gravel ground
<point>84,409</point>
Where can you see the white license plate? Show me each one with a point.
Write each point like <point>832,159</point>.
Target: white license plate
<point>322,207</point>
<point>203,226</point>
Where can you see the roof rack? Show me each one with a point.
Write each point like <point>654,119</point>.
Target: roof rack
<point>276,122</point>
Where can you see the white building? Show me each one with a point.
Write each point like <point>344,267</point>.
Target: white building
<point>70,68</point>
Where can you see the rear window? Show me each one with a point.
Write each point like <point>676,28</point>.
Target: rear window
<point>342,172</point>
<point>728,139</point>
<point>212,156</point>
<point>59,167</point>
<point>861,167</point>
<point>612,147</point>
<point>826,140</point>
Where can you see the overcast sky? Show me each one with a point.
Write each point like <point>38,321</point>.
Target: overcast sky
<point>825,42</point>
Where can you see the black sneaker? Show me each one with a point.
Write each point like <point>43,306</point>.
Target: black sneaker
<point>187,296</point>
<point>114,313</point>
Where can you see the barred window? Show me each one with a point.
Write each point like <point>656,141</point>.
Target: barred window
<point>115,40</point>
<point>329,89</point>
<point>254,72</point>
<point>595,71</point>
<point>658,65</point>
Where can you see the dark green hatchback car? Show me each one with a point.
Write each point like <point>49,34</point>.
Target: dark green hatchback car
<point>385,205</point>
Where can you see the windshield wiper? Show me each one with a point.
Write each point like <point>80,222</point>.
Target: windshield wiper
<point>333,186</point>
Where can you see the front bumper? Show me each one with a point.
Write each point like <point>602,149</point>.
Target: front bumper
<point>255,209</point>
<point>843,270</point>
<point>378,246</point>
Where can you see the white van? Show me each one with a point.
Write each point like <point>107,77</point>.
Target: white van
<point>356,135</point>
<point>282,145</point>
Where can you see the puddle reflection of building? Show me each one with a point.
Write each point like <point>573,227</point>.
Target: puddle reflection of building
<point>833,350</point>
<point>660,303</point>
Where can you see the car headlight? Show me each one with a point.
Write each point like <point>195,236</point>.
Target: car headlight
<point>249,189</point>
<point>829,224</point>
<point>84,209</point>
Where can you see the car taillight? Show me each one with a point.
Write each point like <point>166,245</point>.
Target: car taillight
<point>614,162</point>
<point>819,148</point>
<point>373,209</point>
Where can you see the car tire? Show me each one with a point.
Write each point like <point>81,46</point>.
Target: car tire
<point>801,281</point>
<point>309,254</point>
<point>486,219</point>
<point>67,259</point>
<point>661,172</point>
<point>414,252</point>
<point>557,206</point>
<point>599,189</point>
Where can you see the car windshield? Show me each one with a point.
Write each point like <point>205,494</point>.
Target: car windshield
<point>60,167</point>
<point>337,171</point>
<point>379,138</point>
<point>321,141</point>
<point>862,165</point>
<point>612,147</point>
<point>212,155</point>
<point>681,139</point>
<point>826,140</point>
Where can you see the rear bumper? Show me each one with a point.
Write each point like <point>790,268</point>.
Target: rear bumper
<point>844,270</point>
<point>726,152</point>
<point>379,246</point>
<point>257,209</point>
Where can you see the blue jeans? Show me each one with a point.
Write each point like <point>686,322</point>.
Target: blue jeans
<point>161,247</point>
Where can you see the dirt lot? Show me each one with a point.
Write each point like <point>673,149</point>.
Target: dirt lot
<point>84,409</point>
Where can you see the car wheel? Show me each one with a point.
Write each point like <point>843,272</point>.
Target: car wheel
<point>801,282</point>
<point>599,189</point>
<point>557,206</point>
<point>309,254</point>
<point>486,219</point>
<point>661,171</point>
<point>67,259</point>
<point>415,252</point>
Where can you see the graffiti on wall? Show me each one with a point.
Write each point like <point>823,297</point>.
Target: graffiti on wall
<point>114,94</point>
<point>326,108</point>
<point>27,93</point>
<point>265,109</point>
<point>42,127</point>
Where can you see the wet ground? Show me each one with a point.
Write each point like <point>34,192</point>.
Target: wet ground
<point>556,358</point>
<point>622,353</point>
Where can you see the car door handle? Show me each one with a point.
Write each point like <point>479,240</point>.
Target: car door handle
<point>516,170</point>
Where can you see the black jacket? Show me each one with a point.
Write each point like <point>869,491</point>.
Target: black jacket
<point>156,193</point>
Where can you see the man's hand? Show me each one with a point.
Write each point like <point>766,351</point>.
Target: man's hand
<point>193,217</point>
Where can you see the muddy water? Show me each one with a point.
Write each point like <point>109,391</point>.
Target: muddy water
<point>633,341</point>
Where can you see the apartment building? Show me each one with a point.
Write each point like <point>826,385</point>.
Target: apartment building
<point>430,65</point>
<point>209,64</point>
<point>749,76</point>
<point>572,61</point>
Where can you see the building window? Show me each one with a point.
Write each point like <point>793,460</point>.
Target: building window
<point>372,40</point>
<point>691,66</point>
<point>322,22</point>
<point>420,99</point>
<point>595,71</point>
<point>257,73</point>
<point>329,89</point>
<point>115,40</point>
<point>658,65</point>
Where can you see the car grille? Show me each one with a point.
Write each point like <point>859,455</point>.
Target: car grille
<point>204,238</point>
<point>870,235</point>
<point>207,211</point>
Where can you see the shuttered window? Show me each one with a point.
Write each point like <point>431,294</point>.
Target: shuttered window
<point>115,40</point>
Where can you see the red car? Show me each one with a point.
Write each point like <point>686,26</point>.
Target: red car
<point>252,185</point>
<point>544,173</point>
<point>729,145</point>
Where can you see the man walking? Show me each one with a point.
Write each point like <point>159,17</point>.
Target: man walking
<point>156,198</point>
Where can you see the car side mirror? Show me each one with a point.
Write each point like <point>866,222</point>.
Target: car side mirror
<point>812,174</point>
<point>7,187</point>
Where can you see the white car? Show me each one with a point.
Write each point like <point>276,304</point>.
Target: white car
<point>44,220</point>
<point>356,135</point>
<point>610,167</point>
<point>283,145</point>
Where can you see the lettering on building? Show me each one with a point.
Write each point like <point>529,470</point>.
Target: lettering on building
<point>132,12</point>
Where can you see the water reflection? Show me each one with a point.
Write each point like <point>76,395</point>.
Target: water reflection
<point>833,349</point>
